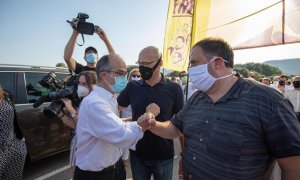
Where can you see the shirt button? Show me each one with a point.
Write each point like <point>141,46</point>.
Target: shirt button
<point>194,158</point>
<point>190,176</point>
<point>206,122</point>
<point>212,105</point>
<point>201,139</point>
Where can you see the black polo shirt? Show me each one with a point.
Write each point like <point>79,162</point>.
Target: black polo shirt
<point>79,68</point>
<point>169,97</point>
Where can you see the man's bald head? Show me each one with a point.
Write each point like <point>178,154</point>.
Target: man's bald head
<point>150,53</point>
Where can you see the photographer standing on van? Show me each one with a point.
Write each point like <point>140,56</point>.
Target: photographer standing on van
<point>90,54</point>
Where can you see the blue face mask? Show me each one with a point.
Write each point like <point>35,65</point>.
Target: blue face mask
<point>119,85</point>
<point>91,57</point>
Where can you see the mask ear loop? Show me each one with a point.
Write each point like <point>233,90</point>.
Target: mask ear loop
<point>155,66</point>
<point>107,82</point>
<point>232,72</point>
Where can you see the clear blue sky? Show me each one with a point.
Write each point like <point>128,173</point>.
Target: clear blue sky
<point>36,32</point>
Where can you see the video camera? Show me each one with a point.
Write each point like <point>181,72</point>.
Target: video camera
<point>83,27</point>
<point>58,89</point>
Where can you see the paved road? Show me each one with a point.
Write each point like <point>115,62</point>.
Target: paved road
<point>56,167</point>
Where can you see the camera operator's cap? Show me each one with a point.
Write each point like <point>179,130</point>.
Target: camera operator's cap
<point>90,48</point>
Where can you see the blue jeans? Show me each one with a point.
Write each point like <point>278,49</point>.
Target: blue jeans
<point>142,170</point>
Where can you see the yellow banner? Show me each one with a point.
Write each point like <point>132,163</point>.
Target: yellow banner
<point>178,35</point>
<point>243,24</point>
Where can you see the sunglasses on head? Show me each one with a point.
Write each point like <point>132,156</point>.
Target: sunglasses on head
<point>138,76</point>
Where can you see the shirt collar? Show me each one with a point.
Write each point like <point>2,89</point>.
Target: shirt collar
<point>234,91</point>
<point>103,92</point>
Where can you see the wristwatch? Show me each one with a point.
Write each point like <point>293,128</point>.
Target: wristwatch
<point>73,114</point>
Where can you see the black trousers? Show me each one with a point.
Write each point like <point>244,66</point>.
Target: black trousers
<point>114,172</point>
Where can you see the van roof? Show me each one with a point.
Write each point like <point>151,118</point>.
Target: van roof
<point>16,67</point>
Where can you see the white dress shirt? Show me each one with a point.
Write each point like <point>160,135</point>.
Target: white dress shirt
<point>101,134</point>
<point>127,112</point>
<point>294,97</point>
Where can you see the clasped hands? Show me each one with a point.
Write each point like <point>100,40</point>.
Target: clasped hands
<point>147,120</point>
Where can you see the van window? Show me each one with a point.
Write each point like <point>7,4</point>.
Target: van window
<point>61,76</point>
<point>33,88</point>
<point>7,81</point>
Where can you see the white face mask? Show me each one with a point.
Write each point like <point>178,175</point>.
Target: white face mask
<point>276,83</point>
<point>200,77</point>
<point>82,91</point>
<point>135,78</point>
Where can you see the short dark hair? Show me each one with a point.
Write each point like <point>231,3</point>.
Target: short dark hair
<point>217,47</point>
<point>284,76</point>
<point>90,48</point>
<point>102,65</point>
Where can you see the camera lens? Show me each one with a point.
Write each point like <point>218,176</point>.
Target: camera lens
<point>53,110</point>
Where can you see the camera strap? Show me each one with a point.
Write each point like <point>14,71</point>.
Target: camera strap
<point>82,40</point>
<point>73,26</point>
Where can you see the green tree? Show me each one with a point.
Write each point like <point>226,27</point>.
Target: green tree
<point>263,69</point>
<point>63,65</point>
<point>242,70</point>
<point>173,73</point>
<point>259,69</point>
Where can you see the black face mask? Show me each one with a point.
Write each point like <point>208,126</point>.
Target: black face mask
<point>296,84</point>
<point>281,82</point>
<point>147,72</point>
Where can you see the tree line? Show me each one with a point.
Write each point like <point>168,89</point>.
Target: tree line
<point>260,70</point>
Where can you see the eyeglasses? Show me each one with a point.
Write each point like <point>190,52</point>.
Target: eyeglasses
<point>145,63</point>
<point>138,76</point>
<point>119,73</point>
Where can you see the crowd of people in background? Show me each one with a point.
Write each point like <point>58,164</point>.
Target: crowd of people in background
<point>288,86</point>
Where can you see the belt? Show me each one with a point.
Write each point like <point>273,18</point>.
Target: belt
<point>109,168</point>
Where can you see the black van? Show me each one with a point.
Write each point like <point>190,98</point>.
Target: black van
<point>43,136</point>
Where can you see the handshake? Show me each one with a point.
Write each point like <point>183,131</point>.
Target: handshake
<point>147,120</point>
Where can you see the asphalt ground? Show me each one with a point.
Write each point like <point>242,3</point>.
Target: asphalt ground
<point>57,167</point>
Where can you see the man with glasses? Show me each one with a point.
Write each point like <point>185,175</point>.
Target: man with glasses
<point>102,135</point>
<point>153,155</point>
